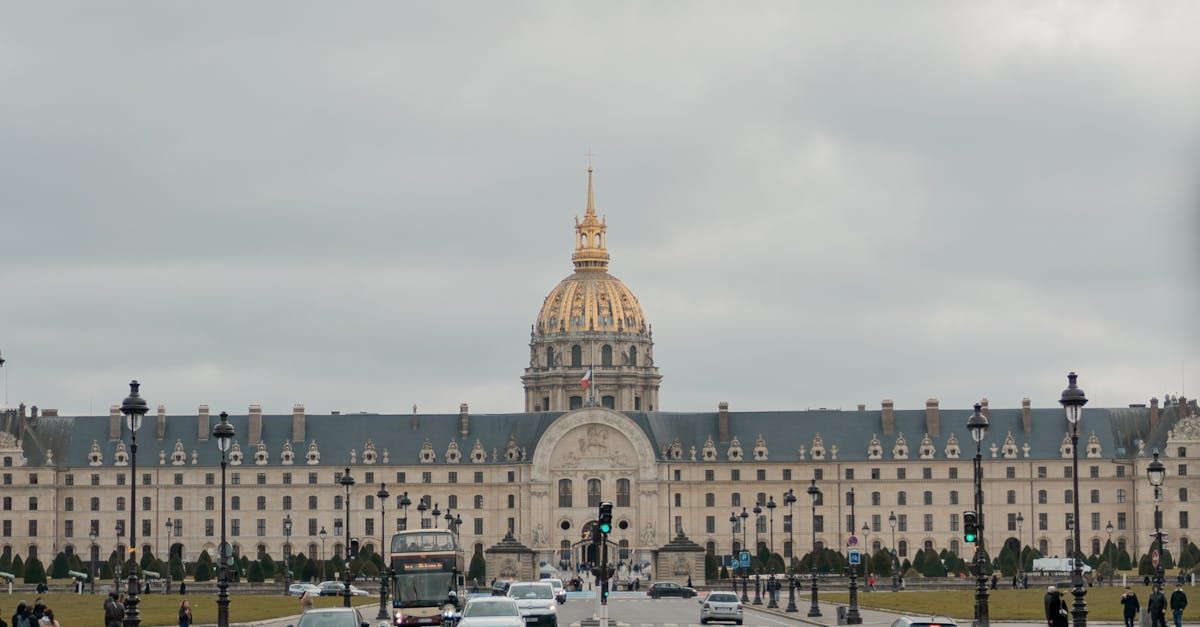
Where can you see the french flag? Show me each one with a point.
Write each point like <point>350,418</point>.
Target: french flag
<point>586,380</point>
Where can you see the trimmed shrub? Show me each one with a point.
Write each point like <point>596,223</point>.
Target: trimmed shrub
<point>34,571</point>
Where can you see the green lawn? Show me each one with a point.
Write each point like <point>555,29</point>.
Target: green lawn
<point>1103,603</point>
<point>163,609</point>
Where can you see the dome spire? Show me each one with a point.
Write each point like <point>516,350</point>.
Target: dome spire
<point>591,253</point>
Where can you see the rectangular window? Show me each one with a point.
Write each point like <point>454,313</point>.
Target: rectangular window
<point>33,528</point>
<point>260,527</point>
<point>1010,472</point>
<point>819,524</point>
<point>451,477</point>
<point>735,499</point>
<point>210,478</point>
<point>876,523</point>
<point>928,522</point>
<point>953,522</point>
<point>208,527</point>
<point>121,479</point>
<point>312,527</point>
<point>1095,472</point>
<point>1012,522</point>
<point>369,477</point>
<point>69,479</point>
<point>1095,521</point>
<point>95,479</point>
<point>369,526</point>
<point>902,522</point>
<point>849,474</point>
<point>710,524</point>
<point>787,474</point>
<point>478,526</point>
<point>735,475</point>
<point>179,478</point>
<point>927,473</point>
<point>1041,472</point>
<point>427,477</point>
<point>7,529</point>
<point>146,478</point>
<point>512,501</point>
<point>69,528</point>
<point>819,474</point>
<point>1183,520</point>
<point>478,476</point>
<point>145,528</point>
<point>235,478</point>
<point>260,478</point>
<point>33,479</point>
<point>709,475</point>
<point>901,473</point>
<point>287,478</point>
<point>1043,521</point>
<point>875,474</point>
<point>1067,473</point>
<point>1183,470</point>
<point>1120,471</point>
<point>312,478</point>
<point>400,478</point>
<point>1121,521</point>
<point>953,473</point>
<point>512,476</point>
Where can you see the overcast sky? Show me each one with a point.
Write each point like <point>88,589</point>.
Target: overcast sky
<point>360,206</point>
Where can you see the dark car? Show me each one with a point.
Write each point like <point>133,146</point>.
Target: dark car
<point>332,617</point>
<point>500,588</point>
<point>668,589</point>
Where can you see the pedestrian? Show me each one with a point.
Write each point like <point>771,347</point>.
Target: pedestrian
<point>1131,606</point>
<point>185,614</point>
<point>39,608</point>
<point>47,619</point>
<point>23,618</point>
<point>995,580</point>
<point>1157,606</point>
<point>182,588</point>
<point>1056,608</point>
<point>1178,602</point>
<point>114,611</point>
<point>1025,581</point>
<point>306,602</point>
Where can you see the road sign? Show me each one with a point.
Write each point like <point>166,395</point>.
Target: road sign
<point>853,541</point>
<point>855,557</point>
<point>744,557</point>
<point>1154,557</point>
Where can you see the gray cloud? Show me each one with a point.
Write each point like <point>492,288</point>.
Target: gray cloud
<point>361,208</point>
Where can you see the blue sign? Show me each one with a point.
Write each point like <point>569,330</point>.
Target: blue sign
<point>855,557</point>
<point>745,559</point>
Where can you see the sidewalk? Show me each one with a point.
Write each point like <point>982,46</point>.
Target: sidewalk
<point>874,618</point>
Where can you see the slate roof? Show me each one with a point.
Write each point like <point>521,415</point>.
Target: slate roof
<point>402,435</point>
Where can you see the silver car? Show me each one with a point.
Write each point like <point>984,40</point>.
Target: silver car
<point>491,612</point>
<point>924,621</point>
<point>536,602</point>
<point>721,606</point>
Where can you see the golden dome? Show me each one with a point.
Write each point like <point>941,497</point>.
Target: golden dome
<point>591,299</point>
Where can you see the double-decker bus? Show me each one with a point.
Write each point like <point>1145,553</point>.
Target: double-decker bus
<point>427,567</point>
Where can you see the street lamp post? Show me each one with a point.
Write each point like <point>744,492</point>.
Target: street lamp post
<point>1020,551</point>
<point>815,494</point>
<point>1073,400</point>
<point>422,507</point>
<point>852,615</point>
<point>134,407</point>
<point>404,503</point>
<point>1109,529</point>
<point>772,602</point>
<point>895,557</point>
<point>757,581</point>
<point>866,534</point>
<point>745,571</point>
<point>789,499</point>
<point>436,513</point>
<point>117,566</point>
<point>223,432</point>
<point>92,578</point>
<point>977,424</point>
<point>385,572</point>
<point>287,553</point>
<point>347,482</point>
<point>1157,473</point>
<point>323,534</point>
<point>733,548</point>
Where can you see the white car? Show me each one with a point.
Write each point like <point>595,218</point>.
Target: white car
<point>298,589</point>
<point>721,606</point>
<point>560,593</point>
<point>536,602</point>
<point>491,612</point>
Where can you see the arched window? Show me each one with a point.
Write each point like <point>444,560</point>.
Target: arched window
<point>623,549</point>
<point>1120,544</point>
<point>564,493</point>
<point>593,493</point>
<point>609,402</point>
<point>549,356</point>
<point>178,503</point>
<point>622,493</point>
<point>927,497</point>
<point>606,355</point>
<point>576,402</point>
<point>632,355</point>
<point>876,546</point>
<point>235,502</point>
<point>929,545</point>
<point>710,548</point>
<point>576,356</point>
<point>875,496</point>
<point>954,497</point>
<point>954,547</point>
<point>1095,546</point>
<point>564,552</point>
<point>902,548</point>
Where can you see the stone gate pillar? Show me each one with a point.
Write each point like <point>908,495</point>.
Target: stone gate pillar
<point>509,559</point>
<point>679,560</point>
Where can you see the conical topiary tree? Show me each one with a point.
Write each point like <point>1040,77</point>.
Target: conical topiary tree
<point>255,573</point>
<point>60,566</point>
<point>34,571</point>
<point>18,566</point>
<point>478,568</point>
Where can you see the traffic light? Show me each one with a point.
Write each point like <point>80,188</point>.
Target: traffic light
<point>970,527</point>
<point>597,535</point>
<point>605,519</point>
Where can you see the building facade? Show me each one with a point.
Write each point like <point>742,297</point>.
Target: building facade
<point>539,474</point>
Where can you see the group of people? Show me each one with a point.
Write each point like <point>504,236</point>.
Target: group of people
<point>114,611</point>
<point>37,615</point>
<point>1156,606</point>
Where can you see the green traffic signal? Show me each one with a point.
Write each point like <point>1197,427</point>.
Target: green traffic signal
<point>605,527</point>
<point>970,537</point>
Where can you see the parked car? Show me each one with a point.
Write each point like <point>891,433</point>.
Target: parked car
<point>668,589</point>
<point>536,602</point>
<point>491,612</point>
<point>332,617</point>
<point>500,587</point>
<point>298,589</point>
<point>924,621</point>
<point>721,606</point>
<point>560,593</point>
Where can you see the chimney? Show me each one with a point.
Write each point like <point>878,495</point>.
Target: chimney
<point>33,412</point>
<point>255,419</point>
<point>1153,412</point>
<point>888,416</point>
<point>983,407</point>
<point>1026,416</point>
<point>932,419</point>
<point>862,407</point>
<point>161,431</point>
<point>203,423</point>
<point>1186,407</point>
<point>48,413</point>
<point>464,420</point>
<point>723,421</point>
<point>298,422</point>
<point>114,423</point>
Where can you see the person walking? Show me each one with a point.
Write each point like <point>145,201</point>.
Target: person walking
<point>1157,606</point>
<point>1131,606</point>
<point>114,612</point>
<point>185,614</point>
<point>306,602</point>
<point>1178,602</point>
<point>1056,608</point>
<point>47,619</point>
